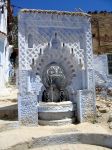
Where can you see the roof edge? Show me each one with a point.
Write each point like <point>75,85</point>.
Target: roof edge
<point>54,12</point>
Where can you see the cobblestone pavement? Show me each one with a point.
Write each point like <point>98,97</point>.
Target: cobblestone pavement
<point>72,147</point>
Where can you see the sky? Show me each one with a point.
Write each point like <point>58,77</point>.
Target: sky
<point>64,5</point>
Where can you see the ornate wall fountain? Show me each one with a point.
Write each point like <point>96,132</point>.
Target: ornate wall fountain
<point>56,76</point>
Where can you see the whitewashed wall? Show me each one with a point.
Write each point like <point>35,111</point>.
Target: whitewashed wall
<point>3,18</point>
<point>4,47</point>
<point>102,78</point>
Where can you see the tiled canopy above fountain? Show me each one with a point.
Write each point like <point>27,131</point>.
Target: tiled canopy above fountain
<point>56,76</point>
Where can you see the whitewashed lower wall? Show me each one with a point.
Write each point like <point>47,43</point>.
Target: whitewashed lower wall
<point>4,61</point>
<point>101,71</point>
<point>86,105</point>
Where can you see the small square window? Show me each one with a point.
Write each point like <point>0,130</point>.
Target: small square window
<point>109,58</point>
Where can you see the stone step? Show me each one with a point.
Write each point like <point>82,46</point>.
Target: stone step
<point>50,116</point>
<point>73,138</point>
<point>57,122</point>
<point>72,147</point>
<point>102,140</point>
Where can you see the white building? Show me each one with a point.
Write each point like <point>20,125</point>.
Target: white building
<point>4,46</point>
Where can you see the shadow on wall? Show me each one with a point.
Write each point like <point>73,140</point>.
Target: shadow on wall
<point>9,112</point>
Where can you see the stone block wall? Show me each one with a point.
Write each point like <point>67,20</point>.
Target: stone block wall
<point>102,33</point>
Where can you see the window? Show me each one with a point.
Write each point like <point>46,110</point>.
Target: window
<point>30,41</point>
<point>109,57</point>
